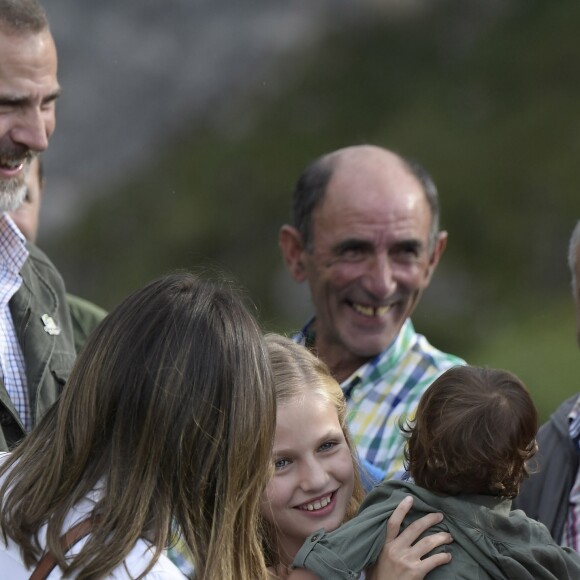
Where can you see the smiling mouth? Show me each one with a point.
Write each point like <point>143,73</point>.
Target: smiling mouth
<point>11,164</point>
<point>370,311</point>
<point>318,504</point>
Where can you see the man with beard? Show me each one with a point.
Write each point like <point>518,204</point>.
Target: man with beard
<point>366,238</point>
<point>36,339</point>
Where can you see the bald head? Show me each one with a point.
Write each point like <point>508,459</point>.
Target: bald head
<point>357,164</point>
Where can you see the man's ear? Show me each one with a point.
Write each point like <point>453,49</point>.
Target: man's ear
<point>438,250</point>
<point>293,250</point>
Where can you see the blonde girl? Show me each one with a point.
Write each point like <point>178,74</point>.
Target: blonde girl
<point>315,479</point>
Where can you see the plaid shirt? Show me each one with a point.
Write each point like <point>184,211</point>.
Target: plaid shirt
<point>13,254</point>
<point>385,390</point>
<point>571,533</point>
<point>182,558</point>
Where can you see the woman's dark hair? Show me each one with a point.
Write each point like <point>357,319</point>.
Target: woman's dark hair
<point>169,412</point>
<point>474,432</point>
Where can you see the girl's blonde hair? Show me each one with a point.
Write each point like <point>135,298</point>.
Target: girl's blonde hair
<point>296,372</point>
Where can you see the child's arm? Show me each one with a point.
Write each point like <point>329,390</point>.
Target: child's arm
<point>401,558</point>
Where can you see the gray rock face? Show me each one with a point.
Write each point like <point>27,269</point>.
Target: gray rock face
<point>135,73</point>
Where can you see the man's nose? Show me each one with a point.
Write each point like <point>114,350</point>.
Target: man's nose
<point>33,129</point>
<point>379,279</point>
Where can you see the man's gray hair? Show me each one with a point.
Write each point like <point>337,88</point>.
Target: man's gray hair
<point>22,17</point>
<point>312,183</point>
<point>573,255</point>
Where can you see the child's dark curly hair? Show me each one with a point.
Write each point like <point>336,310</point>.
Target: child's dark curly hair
<point>474,432</point>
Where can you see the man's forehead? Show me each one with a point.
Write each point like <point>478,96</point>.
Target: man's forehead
<point>28,60</point>
<point>371,195</point>
<point>372,230</point>
<point>370,216</point>
<point>375,168</point>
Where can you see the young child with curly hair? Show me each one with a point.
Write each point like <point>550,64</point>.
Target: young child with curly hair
<point>467,452</point>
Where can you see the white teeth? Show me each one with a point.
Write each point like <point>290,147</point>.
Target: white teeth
<point>318,504</point>
<point>369,310</point>
<point>10,163</point>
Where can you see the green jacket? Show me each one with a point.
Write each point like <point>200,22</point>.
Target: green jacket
<point>85,317</point>
<point>489,540</point>
<point>44,329</point>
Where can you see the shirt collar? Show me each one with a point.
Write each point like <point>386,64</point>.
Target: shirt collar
<point>387,357</point>
<point>13,252</point>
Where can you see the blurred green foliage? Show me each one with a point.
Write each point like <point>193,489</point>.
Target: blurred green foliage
<point>487,102</point>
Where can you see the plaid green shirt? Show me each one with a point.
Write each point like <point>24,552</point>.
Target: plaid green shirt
<point>386,390</point>
<point>181,556</point>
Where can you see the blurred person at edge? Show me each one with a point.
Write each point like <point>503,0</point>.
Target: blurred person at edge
<point>366,238</point>
<point>552,494</point>
<point>37,348</point>
<point>84,314</point>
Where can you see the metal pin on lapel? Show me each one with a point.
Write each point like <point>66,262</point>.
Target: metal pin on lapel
<point>50,326</point>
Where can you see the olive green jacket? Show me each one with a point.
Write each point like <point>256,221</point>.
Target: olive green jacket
<point>489,540</point>
<point>44,329</point>
<point>85,317</point>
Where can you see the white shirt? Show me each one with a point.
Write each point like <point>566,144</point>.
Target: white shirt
<point>12,567</point>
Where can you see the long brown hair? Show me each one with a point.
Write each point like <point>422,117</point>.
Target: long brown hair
<point>474,432</point>
<point>296,372</point>
<point>170,410</point>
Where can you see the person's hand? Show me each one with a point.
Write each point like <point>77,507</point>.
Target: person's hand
<point>400,557</point>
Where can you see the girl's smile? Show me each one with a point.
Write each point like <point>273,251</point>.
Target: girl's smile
<point>314,475</point>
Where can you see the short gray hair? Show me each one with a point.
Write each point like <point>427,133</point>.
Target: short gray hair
<point>22,16</point>
<point>573,255</point>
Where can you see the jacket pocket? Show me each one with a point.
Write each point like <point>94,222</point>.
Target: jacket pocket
<point>60,367</point>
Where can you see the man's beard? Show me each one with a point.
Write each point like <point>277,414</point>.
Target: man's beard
<point>12,192</point>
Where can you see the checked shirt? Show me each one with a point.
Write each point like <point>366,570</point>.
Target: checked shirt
<point>385,391</point>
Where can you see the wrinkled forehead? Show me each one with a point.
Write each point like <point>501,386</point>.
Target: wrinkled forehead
<point>28,64</point>
<point>386,203</point>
